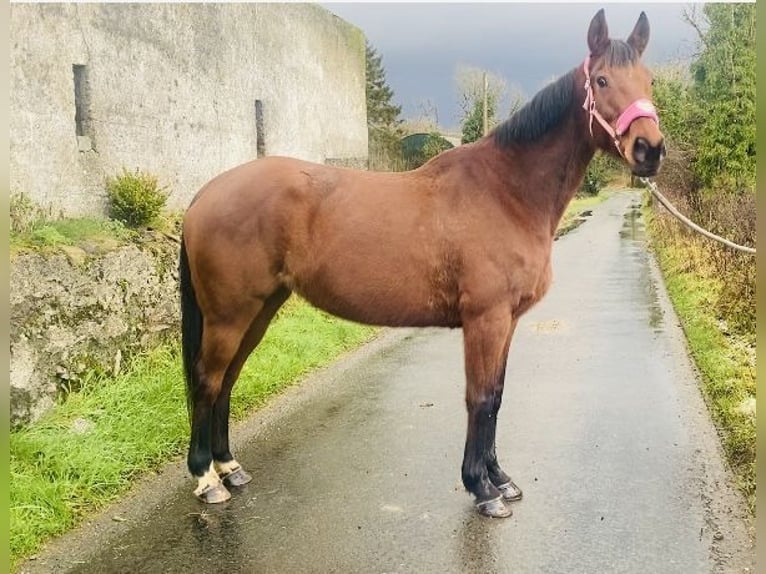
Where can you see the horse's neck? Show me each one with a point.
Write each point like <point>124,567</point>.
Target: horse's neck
<point>556,165</point>
<point>576,149</point>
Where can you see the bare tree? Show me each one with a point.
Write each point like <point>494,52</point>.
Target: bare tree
<point>429,112</point>
<point>469,81</point>
<point>483,94</point>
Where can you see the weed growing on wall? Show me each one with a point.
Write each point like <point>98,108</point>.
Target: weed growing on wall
<point>25,214</point>
<point>135,198</point>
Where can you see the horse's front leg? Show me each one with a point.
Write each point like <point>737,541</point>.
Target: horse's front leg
<point>487,338</point>
<point>497,476</point>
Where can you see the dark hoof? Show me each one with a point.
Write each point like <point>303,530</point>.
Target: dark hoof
<point>236,478</point>
<point>510,492</point>
<point>494,508</point>
<point>214,494</point>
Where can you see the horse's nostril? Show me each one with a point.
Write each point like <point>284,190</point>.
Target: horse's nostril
<point>640,148</point>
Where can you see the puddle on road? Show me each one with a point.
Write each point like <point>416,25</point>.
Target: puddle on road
<point>633,226</point>
<point>573,224</point>
<point>634,231</point>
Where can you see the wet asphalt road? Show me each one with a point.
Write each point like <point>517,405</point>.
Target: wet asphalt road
<point>602,425</point>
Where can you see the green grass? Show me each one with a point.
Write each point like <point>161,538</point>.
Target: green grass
<point>137,422</point>
<point>70,231</point>
<point>34,228</point>
<point>726,362</point>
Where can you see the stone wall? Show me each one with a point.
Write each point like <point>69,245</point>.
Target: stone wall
<point>171,89</point>
<point>83,309</point>
<point>182,91</point>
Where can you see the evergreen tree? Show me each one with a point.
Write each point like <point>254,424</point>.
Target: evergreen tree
<point>383,122</point>
<point>473,122</point>
<point>470,82</point>
<point>724,86</point>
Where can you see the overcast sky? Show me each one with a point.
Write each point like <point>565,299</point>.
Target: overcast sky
<point>527,44</point>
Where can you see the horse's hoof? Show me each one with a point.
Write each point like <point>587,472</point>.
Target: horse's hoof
<point>494,508</point>
<point>510,492</point>
<point>214,494</point>
<point>236,478</point>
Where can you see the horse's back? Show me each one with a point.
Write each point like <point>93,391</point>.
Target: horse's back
<point>369,246</point>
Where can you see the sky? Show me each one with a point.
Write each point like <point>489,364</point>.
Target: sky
<point>526,44</point>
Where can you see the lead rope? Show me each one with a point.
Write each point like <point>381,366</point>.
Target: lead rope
<point>669,206</point>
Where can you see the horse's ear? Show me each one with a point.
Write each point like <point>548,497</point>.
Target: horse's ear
<point>639,37</point>
<point>598,34</point>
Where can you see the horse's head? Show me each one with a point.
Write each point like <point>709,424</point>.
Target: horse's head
<point>618,91</point>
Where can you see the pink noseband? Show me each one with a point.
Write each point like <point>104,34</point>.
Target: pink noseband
<point>641,108</point>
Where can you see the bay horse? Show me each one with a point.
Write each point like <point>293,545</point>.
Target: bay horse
<point>463,241</point>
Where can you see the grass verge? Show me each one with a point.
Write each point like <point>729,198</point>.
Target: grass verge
<point>87,450</point>
<point>36,229</point>
<point>69,231</point>
<point>726,361</point>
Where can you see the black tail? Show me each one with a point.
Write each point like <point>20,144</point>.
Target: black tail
<point>191,327</point>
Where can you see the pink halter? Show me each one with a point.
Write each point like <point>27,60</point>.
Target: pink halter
<point>641,108</point>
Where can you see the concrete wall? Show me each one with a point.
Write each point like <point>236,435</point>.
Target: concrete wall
<point>171,89</point>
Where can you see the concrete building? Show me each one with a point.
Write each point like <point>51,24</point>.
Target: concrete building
<point>182,91</point>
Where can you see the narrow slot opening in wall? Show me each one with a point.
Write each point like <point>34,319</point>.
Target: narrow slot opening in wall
<point>82,107</point>
<point>260,142</point>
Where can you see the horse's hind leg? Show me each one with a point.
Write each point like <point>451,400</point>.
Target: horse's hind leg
<point>486,339</point>
<point>219,345</point>
<point>227,467</point>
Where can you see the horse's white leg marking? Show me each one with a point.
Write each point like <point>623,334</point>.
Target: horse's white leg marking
<point>225,468</point>
<point>232,473</point>
<point>207,481</point>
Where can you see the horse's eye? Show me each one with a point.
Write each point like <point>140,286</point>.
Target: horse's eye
<point>601,81</point>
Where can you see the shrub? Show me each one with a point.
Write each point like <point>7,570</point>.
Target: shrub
<point>734,217</point>
<point>135,199</point>
<point>417,149</point>
<point>385,150</point>
<point>600,172</point>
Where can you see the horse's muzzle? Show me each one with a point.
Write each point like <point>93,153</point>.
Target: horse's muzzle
<point>647,157</point>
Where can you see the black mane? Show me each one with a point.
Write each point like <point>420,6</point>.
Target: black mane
<point>548,107</point>
<point>537,116</point>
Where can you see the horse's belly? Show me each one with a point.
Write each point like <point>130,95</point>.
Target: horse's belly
<point>371,298</point>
